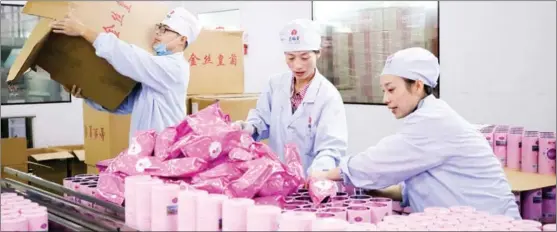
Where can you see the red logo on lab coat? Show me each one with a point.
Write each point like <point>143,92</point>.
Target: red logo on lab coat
<point>294,32</point>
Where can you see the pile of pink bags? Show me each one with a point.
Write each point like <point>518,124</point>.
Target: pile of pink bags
<point>205,151</point>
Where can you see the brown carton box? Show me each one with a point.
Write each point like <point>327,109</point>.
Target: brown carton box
<point>236,105</point>
<point>14,151</point>
<point>106,135</point>
<point>72,60</point>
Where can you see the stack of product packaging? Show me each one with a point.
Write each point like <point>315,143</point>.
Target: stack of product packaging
<point>20,214</point>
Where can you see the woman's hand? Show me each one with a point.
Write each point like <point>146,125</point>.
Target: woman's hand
<point>76,91</point>
<point>69,25</point>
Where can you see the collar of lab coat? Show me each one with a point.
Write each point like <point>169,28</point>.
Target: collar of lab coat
<point>313,88</point>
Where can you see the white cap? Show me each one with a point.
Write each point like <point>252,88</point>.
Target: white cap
<point>300,35</point>
<point>414,64</point>
<point>183,22</point>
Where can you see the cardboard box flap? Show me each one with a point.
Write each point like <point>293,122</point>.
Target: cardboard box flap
<point>13,151</point>
<point>52,156</point>
<point>28,54</point>
<point>523,181</point>
<point>80,154</point>
<point>48,9</point>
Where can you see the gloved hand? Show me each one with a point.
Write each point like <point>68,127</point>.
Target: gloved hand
<point>245,126</point>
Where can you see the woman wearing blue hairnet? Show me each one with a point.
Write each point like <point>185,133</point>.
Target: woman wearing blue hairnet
<point>438,157</point>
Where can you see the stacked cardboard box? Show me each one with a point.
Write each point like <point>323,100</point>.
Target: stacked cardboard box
<point>215,57</point>
<point>13,156</point>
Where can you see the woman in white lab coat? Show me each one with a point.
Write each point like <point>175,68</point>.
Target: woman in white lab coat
<point>440,158</point>
<point>301,106</point>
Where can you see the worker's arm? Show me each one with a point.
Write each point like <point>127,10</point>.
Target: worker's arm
<point>158,72</point>
<point>260,117</point>
<point>394,192</point>
<point>125,107</point>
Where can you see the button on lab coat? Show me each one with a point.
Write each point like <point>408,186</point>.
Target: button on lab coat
<point>318,126</point>
<point>441,160</point>
<point>159,100</point>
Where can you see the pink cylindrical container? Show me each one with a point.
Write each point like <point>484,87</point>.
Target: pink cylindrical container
<point>527,224</point>
<point>130,192</point>
<point>66,182</point>
<point>396,206</point>
<point>164,207</point>
<point>529,152</point>
<point>31,205</point>
<point>8,195</point>
<point>262,218</point>
<point>15,200</point>
<point>312,210</point>
<point>14,223</point>
<point>548,205</point>
<point>297,204</point>
<point>37,221</point>
<point>436,210</point>
<point>187,201</point>
<point>378,211</point>
<point>209,212</point>
<point>296,221</point>
<point>514,150</point>
<point>358,213</point>
<point>360,197</point>
<point>548,227</point>
<point>341,194</point>
<point>396,218</point>
<point>11,211</point>
<point>499,219</point>
<point>488,134</point>
<point>303,198</point>
<point>339,212</point>
<point>383,200</point>
<point>462,209</point>
<point>361,227</point>
<point>324,215</point>
<point>421,216</point>
<point>500,143</point>
<point>75,185</point>
<point>143,203</point>
<point>234,214</point>
<point>34,210</point>
<point>546,160</point>
<point>329,224</point>
<point>532,205</point>
<point>517,201</point>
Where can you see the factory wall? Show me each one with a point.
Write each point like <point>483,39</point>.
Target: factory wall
<point>497,63</point>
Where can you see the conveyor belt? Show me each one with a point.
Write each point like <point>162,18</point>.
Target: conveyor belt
<point>68,215</point>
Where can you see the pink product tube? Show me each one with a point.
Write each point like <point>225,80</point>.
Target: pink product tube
<point>339,212</point>
<point>209,212</point>
<point>37,221</point>
<point>143,204</point>
<point>296,221</point>
<point>527,224</point>
<point>187,201</point>
<point>14,223</point>
<point>546,161</point>
<point>357,214</point>
<point>329,224</point>
<point>549,227</point>
<point>234,214</point>
<point>75,186</point>
<point>548,205</point>
<point>8,195</point>
<point>130,192</point>
<point>488,134</point>
<point>66,182</point>
<point>500,143</point>
<point>85,189</point>
<point>387,201</point>
<point>378,211</point>
<point>262,218</point>
<point>517,201</point>
<point>529,152</point>
<point>164,207</point>
<point>532,205</point>
<point>514,150</point>
<point>361,227</point>
<point>324,215</point>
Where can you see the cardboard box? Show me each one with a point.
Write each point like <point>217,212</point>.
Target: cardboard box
<point>106,135</point>
<point>14,151</point>
<point>92,170</point>
<point>216,57</point>
<point>72,60</point>
<point>236,105</point>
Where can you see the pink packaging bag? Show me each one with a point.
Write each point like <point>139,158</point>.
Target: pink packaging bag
<point>204,147</point>
<point>273,186</point>
<point>134,165</point>
<point>111,187</point>
<point>37,221</point>
<point>215,185</point>
<point>208,121</point>
<point>142,143</point>
<point>226,170</point>
<point>263,218</point>
<point>187,201</point>
<point>293,162</point>
<point>321,189</point>
<point>180,167</point>
<point>164,140</point>
<point>546,161</point>
<point>251,182</point>
<point>164,207</point>
<point>234,214</point>
<point>277,200</point>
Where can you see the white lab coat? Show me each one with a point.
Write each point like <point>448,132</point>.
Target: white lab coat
<point>441,159</point>
<point>318,126</point>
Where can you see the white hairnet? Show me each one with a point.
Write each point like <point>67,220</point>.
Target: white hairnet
<point>183,22</point>
<point>300,35</point>
<point>415,64</point>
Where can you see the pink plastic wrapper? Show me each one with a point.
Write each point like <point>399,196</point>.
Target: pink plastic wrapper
<point>208,121</point>
<point>181,167</point>
<point>320,189</point>
<point>110,187</point>
<point>277,200</point>
<point>142,143</point>
<point>215,185</point>
<point>256,175</point>
<point>164,141</point>
<point>222,170</point>
<point>134,165</point>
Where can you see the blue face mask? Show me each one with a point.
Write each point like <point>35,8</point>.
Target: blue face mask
<point>161,49</point>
